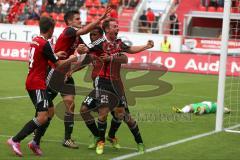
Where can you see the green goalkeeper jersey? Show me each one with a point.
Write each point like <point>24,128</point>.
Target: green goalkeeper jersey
<point>210,107</point>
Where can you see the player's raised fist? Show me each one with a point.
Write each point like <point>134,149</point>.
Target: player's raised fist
<point>150,44</point>
<point>82,49</point>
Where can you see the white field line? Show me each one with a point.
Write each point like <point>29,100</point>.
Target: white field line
<point>134,154</point>
<point>58,141</point>
<point>14,97</point>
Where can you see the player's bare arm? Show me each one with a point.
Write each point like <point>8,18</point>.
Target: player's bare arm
<point>61,54</point>
<point>136,49</point>
<point>91,26</point>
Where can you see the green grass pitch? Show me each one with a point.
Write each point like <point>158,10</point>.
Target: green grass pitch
<point>187,88</point>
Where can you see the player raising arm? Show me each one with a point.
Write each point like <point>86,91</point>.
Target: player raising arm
<point>69,41</point>
<point>40,53</point>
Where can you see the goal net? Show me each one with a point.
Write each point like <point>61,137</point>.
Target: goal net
<point>231,122</point>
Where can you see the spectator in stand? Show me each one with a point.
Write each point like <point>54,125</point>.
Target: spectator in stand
<point>48,7</point>
<point>39,4</point>
<point>204,3</point>
<point>142,23</point>
<point>83,15</point>
<point>133,3</point>
<point>155,28</point>
<point>58,7</point>
<point>220,3</point>
<point>34,14</point>
<point>150,18</point>
<point>70,3</point>
<point>104,2</point>
<point>64,1</point>
<point>23,13</point>
<point>44,6</point>
<point>50,2</point>
<point>125,3</point>
<point>174,26</point>
<point>2,20</point>
<point>213,3</point>
<point>5,7</point>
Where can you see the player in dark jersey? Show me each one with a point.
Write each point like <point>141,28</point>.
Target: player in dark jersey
<point>69,41</point>
<point>40,53</point>
<point>91,101</point>
<point>109,90</point>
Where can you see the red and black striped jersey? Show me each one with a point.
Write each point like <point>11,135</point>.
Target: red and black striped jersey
<point>108,70</point>
<point>68,41</point>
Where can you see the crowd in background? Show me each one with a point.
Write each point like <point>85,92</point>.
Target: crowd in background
<point>33,9</point>
<point>218,3</point>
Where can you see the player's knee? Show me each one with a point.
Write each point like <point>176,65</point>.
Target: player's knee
<point>119,113</point>
<point>83,109</point>
<point>51,112</point>
<point>70,106</point>
<point>129,120</point>
<point>42,117</point>
<point>102,116</point>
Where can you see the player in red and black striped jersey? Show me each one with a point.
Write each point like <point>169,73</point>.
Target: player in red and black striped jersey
<point>40,53</point>
<point>70,41</point>
<point>109,87</point>
<point>109,75</point>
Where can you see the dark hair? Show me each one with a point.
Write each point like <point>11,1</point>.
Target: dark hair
<point>45,24</point>
<point>69,15</point>
<point>106,23</point>
<point>99,30</point>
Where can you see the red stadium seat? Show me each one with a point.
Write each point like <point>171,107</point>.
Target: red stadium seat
<point>220,9</point>
<point>54,15</point>
<point>202,8</point>
<point>97,4</point>
<point>211,9</point>
<point>100,11</point>
<point>89,3</point>
<point>60,17</point>
<point>92,11</point>
<point>234,10</point>
<point>60,24</point>
<point>31,22</point>
<point>89,18</point>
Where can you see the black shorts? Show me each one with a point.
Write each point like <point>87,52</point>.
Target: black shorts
<point>67,88</point>
<point>106,92</point>
<point>40,99</point>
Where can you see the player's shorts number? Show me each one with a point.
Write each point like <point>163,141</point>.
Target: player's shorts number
<point>88,100</point>
<point>104,99</point>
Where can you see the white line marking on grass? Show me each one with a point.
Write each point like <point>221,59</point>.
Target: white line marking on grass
<point>170,144</point>
<point>81,143</point>
<point>14,97</point>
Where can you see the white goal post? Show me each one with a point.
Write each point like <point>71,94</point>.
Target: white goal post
<point>221,97</point>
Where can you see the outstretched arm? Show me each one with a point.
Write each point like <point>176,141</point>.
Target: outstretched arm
<point>136,49</point>
<point>90,26</point>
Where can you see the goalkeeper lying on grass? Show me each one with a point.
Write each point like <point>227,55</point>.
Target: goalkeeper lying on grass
<point>204,107</point>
